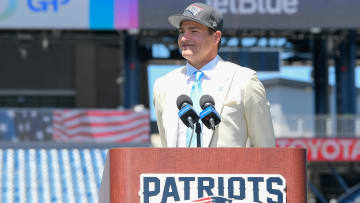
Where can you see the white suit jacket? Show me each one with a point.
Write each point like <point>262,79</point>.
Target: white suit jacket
<point>240,100</point>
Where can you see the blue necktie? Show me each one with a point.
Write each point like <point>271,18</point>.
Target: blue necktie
<point>196,93</point>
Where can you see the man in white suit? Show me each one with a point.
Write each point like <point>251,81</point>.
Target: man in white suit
<point>240,98</point>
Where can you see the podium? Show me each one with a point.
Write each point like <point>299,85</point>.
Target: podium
<point>175,174</point>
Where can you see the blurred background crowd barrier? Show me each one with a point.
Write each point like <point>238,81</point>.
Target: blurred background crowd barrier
<point>130,126</point>
<point>311,126</point>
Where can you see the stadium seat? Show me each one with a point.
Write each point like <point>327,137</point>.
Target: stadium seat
<point>51,175</point>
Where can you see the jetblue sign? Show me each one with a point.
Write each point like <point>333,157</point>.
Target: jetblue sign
<point>261,14</point>
<point>250,7</point>
<point>219,188</point>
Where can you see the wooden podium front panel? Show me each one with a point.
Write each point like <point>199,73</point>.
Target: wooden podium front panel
<point>127,164</point>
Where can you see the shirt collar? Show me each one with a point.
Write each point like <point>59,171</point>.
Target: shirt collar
<point>208,69</point>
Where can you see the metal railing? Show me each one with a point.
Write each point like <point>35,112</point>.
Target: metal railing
<point>317,126</point>
<point>37,125</point>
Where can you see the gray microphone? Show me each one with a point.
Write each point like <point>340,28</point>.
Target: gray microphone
<point>209,116</point>
<point>186,113</point>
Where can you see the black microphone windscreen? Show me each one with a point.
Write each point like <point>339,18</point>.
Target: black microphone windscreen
<point>183,99</point>
<point>206,99</point>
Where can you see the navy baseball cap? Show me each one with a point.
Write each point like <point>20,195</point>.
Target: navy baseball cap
<point>200,13</point>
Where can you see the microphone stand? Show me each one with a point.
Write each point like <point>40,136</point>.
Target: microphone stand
<point>212,123</point>
<point>192,134</point>
<point>198,133</point>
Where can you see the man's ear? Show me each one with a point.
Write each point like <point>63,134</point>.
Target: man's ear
<point>217,36</point>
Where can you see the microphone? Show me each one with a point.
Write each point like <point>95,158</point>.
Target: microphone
<point>187,114</point>
<point>209,116</point>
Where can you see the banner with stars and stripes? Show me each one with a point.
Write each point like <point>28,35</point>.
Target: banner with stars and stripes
<point>75,125</point>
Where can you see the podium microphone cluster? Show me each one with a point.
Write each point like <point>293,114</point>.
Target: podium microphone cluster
<point>189,116</point>
<point>209,116</point>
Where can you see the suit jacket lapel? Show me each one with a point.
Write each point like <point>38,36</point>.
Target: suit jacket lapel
<point>172,119</point>
<point>222,80</point>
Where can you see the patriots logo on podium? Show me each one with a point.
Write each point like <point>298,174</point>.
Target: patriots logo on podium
<point>212,188</point>
<point>213,200</point>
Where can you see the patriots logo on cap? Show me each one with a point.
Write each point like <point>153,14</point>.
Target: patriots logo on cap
<point>194,10</point>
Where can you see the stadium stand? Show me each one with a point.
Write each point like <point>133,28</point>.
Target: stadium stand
<point>51,175</point>
<point>52,172</point>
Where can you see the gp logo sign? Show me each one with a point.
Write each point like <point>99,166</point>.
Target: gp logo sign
<point>219,188</point>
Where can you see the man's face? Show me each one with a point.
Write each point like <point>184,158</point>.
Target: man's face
<point>195,42</point>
